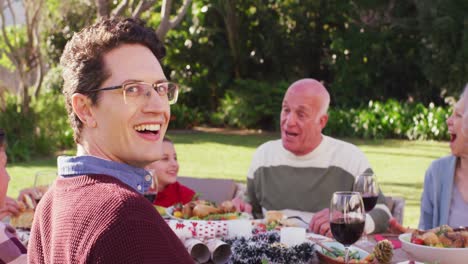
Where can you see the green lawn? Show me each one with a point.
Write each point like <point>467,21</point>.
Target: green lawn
<point>399,164</point>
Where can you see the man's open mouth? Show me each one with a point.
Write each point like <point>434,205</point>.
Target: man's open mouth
<point>453,137</point>
<point>148,129</point>
<point>291,134</point>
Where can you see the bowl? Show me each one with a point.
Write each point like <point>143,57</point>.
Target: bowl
<point>433,254</point>
<point>326,259</point>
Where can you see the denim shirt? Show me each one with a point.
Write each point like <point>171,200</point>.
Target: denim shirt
<point>139,179</point>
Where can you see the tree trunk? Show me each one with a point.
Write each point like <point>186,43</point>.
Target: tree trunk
<point>166,22</point>
<point>103,9</point>
<point>232,28</point>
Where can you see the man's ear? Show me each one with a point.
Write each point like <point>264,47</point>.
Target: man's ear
<point>81,105</point>
<point>323,120</point>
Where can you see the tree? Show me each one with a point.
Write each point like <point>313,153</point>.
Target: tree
<point>21,46</point>
<point>136,8</point>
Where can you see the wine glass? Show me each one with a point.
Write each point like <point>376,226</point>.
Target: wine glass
<point>366,185</point>
<point>152,191</point>
<point>347,218</point>
<point>42,182</point>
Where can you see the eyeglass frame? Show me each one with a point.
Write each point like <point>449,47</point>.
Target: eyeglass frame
<point>153,85</point>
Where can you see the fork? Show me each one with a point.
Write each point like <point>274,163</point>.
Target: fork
<point>298,218</point>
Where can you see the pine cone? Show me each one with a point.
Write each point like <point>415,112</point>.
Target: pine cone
<point>383,251</point>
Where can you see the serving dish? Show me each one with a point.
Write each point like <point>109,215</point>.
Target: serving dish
<point>433,254</point>
<point>333,244</point>
<point>229,216</point>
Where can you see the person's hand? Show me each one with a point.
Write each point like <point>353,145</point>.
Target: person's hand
<point>11,208</point>
<point>242,206</point>
<point>29,196</point>
<point>320,223</point>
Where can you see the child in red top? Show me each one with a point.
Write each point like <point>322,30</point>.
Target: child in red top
<point>166,169</point>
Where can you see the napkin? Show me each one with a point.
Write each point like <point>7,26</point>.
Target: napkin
<point>202,230</point>
<point>395,242</point>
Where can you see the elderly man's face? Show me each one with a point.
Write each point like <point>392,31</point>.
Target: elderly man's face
<point>301,122</point>
<point>129,131</point>
<point>4,177</point>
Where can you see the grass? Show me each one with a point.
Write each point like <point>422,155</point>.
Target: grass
<point>399,164</point>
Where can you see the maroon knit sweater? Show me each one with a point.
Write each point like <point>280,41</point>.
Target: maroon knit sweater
<point>98,219</point>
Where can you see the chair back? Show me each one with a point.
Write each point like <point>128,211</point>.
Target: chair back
<point>215,190</point>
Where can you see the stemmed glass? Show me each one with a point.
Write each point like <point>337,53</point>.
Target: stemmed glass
<point>366,185</point>
<point>44,178</point>
<point>152,192</point>
<point>347,218</point>
<point>42,182</point>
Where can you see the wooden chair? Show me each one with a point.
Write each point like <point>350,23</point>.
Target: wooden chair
<point>396,204</point>
<point>215,190</point>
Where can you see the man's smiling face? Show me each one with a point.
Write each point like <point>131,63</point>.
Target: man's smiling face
<point>130,132</point>
<point>302,117</point>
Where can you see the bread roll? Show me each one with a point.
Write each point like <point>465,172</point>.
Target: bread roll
<point>274,216</point>
<point>23,220</point>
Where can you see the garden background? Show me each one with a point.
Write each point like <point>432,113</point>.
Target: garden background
<point>393,68</point>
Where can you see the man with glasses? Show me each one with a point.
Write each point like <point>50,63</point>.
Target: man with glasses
<point>117,98</point>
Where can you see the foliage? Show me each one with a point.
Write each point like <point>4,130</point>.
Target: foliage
<point>443,43</point>
<point>20,130</point>
<point>251,104</point>
<point>389,119</point>
<point>62,19</point>
<point>41,132</point>
<point>184,117</point>
<point>52,122</point>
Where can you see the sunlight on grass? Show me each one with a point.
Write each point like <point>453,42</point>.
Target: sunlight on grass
<point>400,165</point>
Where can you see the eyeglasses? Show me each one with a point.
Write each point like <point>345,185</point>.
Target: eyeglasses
<point>138,91</point>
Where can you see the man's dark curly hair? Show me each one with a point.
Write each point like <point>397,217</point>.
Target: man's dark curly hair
<point>82,59</point>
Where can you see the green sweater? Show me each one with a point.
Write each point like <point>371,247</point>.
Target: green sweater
<point>279,180</point>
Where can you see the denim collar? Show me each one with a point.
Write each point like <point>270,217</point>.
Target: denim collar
<point>137,178</point>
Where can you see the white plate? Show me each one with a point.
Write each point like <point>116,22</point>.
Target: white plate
<point>433,254</point>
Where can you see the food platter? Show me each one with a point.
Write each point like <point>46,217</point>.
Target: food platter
<point>326,258</point>
<point>216,217</point>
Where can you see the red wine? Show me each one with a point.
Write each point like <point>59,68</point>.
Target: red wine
<point>150,196</point>
<point>347,232</point>
<point>369,202</point>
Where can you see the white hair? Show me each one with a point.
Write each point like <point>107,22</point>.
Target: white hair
<point>324,106</point>
<point>464,96</point>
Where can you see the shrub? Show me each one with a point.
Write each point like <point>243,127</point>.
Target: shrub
<point>184,117</point>
<point>53,128</point>
<point>20,130</point>
<point>390,119</point>
<point>40,132</point>
<point>251,104</point>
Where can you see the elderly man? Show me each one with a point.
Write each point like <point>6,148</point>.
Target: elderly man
<point>118,99</point>
<point>299,173</point>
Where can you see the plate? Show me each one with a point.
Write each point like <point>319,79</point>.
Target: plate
<point>326,259</point>
<point>433,254</point>
<point>170,214</point>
